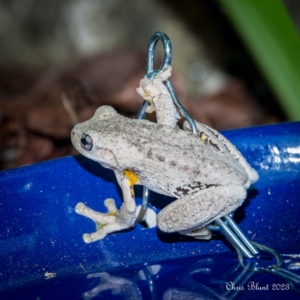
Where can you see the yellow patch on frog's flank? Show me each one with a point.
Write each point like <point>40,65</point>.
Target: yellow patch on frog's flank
<point>203,137</point>
<point>146,94</point>
<point>132,177</point>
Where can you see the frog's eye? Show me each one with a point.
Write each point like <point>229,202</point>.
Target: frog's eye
<point>86,142</point>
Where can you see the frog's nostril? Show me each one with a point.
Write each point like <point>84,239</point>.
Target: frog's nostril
<point>86,142</point>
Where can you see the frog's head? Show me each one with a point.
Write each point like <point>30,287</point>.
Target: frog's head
<point>88,138</point>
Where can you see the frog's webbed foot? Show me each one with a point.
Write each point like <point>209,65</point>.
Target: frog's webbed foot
<point>199,234</point>
<point>105,222</point>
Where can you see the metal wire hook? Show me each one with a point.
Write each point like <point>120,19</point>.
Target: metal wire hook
<point>291,278</point>
<point>229,228</point>
<point>150,73</point>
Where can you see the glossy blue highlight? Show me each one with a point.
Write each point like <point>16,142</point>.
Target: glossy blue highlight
<point>40,232</point>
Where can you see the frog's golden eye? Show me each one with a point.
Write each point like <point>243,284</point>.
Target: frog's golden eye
<point>86,142</point>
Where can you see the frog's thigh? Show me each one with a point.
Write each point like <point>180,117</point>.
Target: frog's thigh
<point>199,209</point>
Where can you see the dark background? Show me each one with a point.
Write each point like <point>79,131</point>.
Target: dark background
<point>60,60</point>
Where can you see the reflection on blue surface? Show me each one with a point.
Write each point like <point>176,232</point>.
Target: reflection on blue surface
<point>39,231</point>
<point>216,276</point>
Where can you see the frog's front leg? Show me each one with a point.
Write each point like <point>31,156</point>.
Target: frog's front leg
<point>114,220</point>
<point>193,211</point>
<point>156,93</point>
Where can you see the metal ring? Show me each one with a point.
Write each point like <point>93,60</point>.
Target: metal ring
<point>150,72</point>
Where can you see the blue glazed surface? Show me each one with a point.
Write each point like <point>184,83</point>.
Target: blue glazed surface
<point>40,232</point>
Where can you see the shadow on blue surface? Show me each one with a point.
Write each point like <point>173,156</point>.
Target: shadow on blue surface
<point>40,231</point>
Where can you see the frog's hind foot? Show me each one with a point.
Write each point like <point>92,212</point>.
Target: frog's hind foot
<point>105,222</point>
<point>199,234</point>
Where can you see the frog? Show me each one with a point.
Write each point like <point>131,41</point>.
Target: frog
<point>205,173</point>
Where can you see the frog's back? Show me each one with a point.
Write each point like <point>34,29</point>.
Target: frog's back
<point>178,154</point>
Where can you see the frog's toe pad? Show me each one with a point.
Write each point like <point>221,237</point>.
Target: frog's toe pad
<point>110,204</point>
<point>80,207</point>
<point>87,238</point>
<point>92,237</point>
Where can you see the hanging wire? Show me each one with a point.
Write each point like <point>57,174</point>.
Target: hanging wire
<point>150,73</point>
<point>228,227</point>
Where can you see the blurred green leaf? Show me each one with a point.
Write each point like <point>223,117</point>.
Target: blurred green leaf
<point>272,38</point>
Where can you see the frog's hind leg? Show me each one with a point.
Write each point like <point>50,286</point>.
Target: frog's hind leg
<point>193,211</point>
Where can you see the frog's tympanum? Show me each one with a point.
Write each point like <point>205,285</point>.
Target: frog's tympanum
<point>206,174</point>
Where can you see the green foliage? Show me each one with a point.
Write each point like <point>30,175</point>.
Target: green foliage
<point>268,31</point>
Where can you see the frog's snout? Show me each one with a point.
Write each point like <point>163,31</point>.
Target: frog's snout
<point>73,135</point>
<point>74,138</point>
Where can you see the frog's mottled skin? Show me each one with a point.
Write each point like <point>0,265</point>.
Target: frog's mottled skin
<point>205,172</point>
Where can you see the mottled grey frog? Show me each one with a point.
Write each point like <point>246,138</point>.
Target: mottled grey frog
<point>205,173</point>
